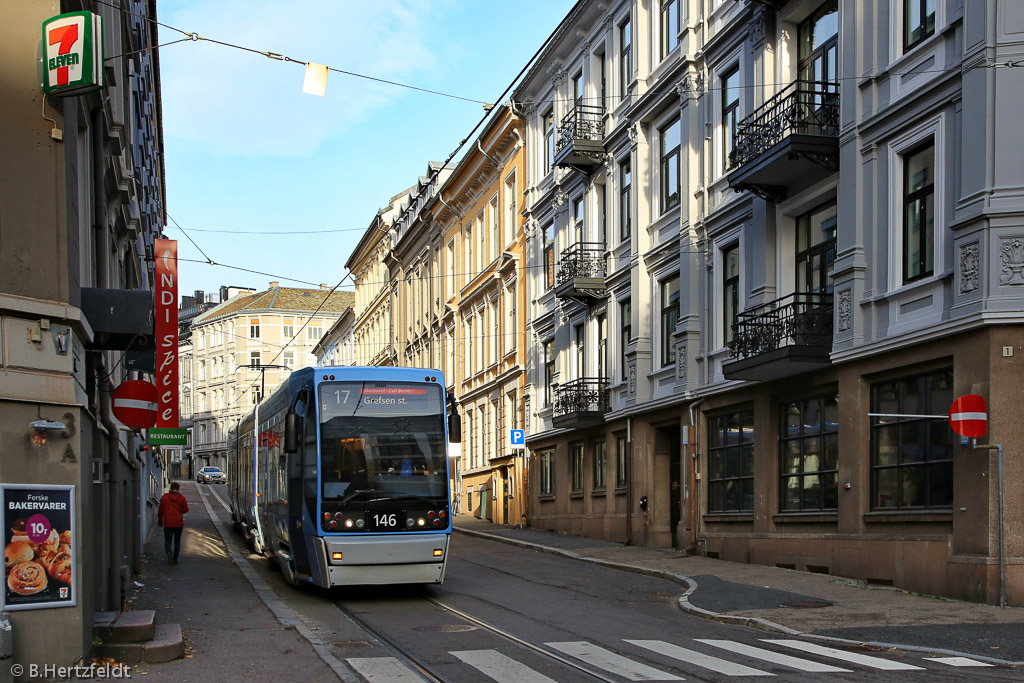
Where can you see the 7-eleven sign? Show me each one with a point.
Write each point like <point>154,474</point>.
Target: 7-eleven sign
<point>72,54</point>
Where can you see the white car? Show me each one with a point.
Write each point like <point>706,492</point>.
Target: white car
<point>208,475</point>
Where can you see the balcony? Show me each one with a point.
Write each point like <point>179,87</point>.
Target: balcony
<point>580,143</point>
<point>791,136</point>
<point>581,273</point>
<point>580,403</point>
<point>782,338</point>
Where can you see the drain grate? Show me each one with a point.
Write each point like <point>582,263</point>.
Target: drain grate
<point>806,604</point>
<point>447,628</point>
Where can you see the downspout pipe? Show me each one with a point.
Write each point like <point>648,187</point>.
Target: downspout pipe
<point>998,447</point>
<point>481,148</point>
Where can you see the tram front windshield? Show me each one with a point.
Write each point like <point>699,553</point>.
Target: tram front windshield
<point>382,440</point>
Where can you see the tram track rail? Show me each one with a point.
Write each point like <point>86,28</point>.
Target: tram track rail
<point>419,665</point>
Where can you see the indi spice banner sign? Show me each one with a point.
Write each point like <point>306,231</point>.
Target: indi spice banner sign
<point>166,333</point>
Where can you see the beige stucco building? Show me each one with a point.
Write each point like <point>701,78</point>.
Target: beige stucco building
<point>243,348</point>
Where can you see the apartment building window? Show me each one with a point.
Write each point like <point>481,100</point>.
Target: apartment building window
<point>449,281</point>
<point>730,291</point>
<point>912,457</point>
<point>669,318</point>
<point>577,89</point>
<point>549,256</point>
<point>809,454</point>
<point>731,462</point>
<point>547,473</point>
<point>669,26</point>
<point>918,21</point>
<point>577,467</point>
<point>730,114</point>
<point>549,141</point>
<point>254,328</point>
<point>495,216</point>
<point>625,57</point>
<point>512,333</point>
<point>919,212</point>
<point>625,333</point>
<point>577,220</point>
<point>470,271</point>
<point>255,361</point>
<point>579,335</point>
<point>481,243</point>
<point>625,204</point>
<point>549,371</point>
<point>621,453</point>
<point>471,342</point>
<point>202,370</point>
<point>200,340</point>
<point>511,207</point>
<point>499,429</point>
<point>256,395</point>
<point>816,249</point>
<point>288,359</point>
<point>668,145</point>
<point>600,462</point>
<point>314,332</point>
<point>288,329</point>
<point>602,346</point>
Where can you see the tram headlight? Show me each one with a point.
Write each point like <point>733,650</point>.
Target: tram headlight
<point>421,522</point>
<point>348,523</point>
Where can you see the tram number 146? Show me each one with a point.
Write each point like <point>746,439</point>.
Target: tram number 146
<point>386,521</point>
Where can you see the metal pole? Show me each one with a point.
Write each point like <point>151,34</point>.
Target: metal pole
<point>1002,544</point>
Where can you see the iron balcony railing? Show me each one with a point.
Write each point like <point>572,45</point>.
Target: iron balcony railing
<point>583,259</point>
<point>801,108</point>
<point>587,395</point>
<point>583,122</point>
<point>800,319</point>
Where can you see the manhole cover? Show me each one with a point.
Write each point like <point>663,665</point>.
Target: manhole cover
<point>447,628</point>
<point>343,644</point>
<point>806,604</point>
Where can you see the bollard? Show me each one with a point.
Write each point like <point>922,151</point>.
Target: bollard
<point>6,637</point>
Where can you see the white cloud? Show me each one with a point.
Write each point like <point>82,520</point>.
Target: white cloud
<point>235,102</point>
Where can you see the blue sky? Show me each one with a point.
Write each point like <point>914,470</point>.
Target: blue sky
<point>248,154</point>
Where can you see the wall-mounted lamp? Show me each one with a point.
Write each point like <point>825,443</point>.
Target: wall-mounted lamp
<point>40,429</point>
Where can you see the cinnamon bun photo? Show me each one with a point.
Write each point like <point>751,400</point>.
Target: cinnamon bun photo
<point>27,578</point>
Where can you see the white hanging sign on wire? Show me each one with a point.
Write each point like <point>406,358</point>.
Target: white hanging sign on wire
<point>315,82</point>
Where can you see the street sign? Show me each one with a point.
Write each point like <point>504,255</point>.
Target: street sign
<point>165,436</point>
<point>968,416</point>
<point>517,437</point>
<point>135,403</point>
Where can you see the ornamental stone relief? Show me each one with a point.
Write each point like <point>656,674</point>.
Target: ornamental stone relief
<point>845,310</point>
<point>969,264</point>
<point>632,378</point>
<point>681,361</point>
<point>1011,253</point>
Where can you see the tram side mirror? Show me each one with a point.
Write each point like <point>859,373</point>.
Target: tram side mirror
<point>643,503</point>
<point>454,421</point>
<point>291,433</point>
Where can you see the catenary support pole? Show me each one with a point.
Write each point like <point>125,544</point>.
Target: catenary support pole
<point>998,447</point>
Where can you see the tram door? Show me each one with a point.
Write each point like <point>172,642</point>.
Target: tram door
<point>296,494</point>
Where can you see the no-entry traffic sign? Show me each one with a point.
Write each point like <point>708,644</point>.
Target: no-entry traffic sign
<point>968,416</point>
<point>135,403</point>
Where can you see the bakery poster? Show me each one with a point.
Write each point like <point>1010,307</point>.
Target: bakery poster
<point>39,546</point>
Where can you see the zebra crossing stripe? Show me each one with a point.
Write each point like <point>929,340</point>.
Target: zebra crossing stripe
<point>957,661</point>
<point>382,669</point>
<point>852,657</point>
<point>721,666</point>
<point>500,668</point>
<point>614,663</point>
<point>773,657</point>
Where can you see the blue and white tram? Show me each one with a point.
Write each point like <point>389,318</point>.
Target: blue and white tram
<point>341,474</point>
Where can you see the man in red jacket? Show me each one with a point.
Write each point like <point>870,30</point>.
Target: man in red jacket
<point>171,516</point>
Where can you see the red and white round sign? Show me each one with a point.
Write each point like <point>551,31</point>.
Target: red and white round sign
<point>968,416</point>
<point>135,403</point>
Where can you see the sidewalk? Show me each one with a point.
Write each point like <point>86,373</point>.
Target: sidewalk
<point>796,602</point>
<point>230,632</point>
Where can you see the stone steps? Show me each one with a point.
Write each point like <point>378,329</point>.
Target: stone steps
<point>134,637</point>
